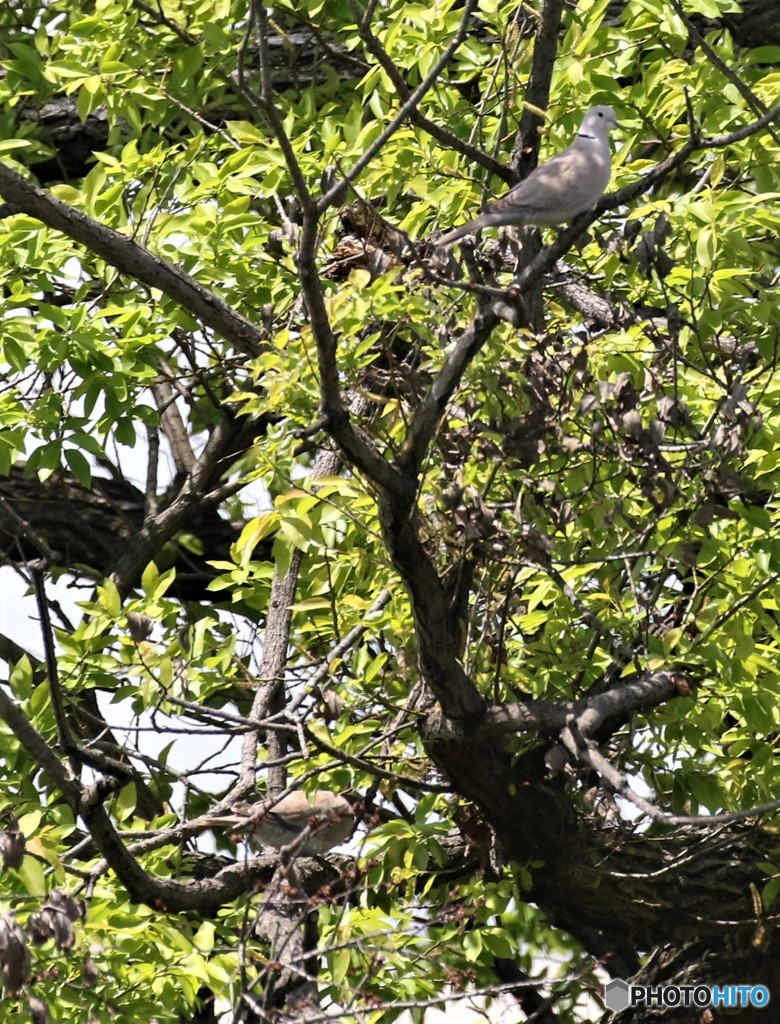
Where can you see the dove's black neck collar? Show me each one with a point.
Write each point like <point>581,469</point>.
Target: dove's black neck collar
<point>584,135</point>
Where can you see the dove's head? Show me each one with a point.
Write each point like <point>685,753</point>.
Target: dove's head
<point>599,121</point>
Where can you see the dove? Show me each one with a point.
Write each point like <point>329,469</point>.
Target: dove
<point>327,820</point>
<point>557,191</point>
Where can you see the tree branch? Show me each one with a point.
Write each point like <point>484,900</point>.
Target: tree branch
<point>525,151</point>
<point>428,414</point>
<point>40,751</point>
<point>593,713</point>
<point>130,258</point>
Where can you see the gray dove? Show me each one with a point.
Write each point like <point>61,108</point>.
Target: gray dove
<point>557,191</point>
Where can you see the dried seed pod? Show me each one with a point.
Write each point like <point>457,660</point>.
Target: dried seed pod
<point>54,919</point>
<point>14,955</point>
<point>39,1012</point>
<point>90,972</point>
<point>139,626</point>
<point>11,848</point>
<point>73,909</point>
<point>40,927</point>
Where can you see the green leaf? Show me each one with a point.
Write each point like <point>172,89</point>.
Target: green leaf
<point>32,876</point>
<point>79,465</point>
<point>109,599</point>
<point>125,803</point>
<point>155,583</point>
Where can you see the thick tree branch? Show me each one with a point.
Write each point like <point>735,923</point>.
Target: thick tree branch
<point>525,151</point>
<point>130,258</point>
<point>615,705</point>
<point>270,697</point>
<point>287,919</point>
<point>357,447</point>
<point>428,414</point>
